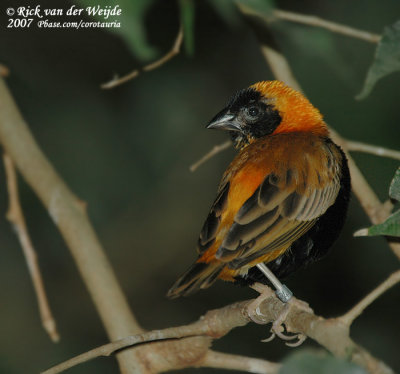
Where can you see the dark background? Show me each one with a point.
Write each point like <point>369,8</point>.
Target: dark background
<point>127,152</point>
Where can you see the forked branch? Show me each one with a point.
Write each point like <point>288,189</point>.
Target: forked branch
<point>332,334</point>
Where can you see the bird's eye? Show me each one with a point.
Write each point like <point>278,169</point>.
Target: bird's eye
<point>253,111</point>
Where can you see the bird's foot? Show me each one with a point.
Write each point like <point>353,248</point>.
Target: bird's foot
<point>277,328</point>
<point>253,308</point>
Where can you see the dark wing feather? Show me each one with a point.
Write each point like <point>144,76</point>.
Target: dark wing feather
<point>290,236</point>
<point>210,227</point>
<point>279,212</point>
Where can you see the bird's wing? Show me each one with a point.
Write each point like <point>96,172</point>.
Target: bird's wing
<point>284,206</point>
<point>211,225</point>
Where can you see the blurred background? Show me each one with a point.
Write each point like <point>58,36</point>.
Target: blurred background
<point>127,153</point>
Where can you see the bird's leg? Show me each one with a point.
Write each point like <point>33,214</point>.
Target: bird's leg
<point>285,295</point>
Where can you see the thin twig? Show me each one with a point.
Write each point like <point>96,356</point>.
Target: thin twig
<point>338,28</point>
<point>235,362</point>
<point>129,341</point>
<point>356,311</point>
<point>154,65</point>
<point>16,218</point>
<point>210,154</point>
<point>330,333</point>
<point>372,149</point>
<point>311,20</point>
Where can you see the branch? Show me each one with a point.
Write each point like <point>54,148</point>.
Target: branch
<point>215,323</point>
<point>154,65</point>
<point>210,154</point>
<point>69,215</point>
<point>356,311</point>
<point>330,333</point>
<point>130,341</point>
<point>235,362</point>
<point>329,25</point>
<point>16,218</point>
<point>352,145</point>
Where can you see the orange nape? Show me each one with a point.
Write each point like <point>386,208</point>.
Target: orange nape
<point>298,114</point>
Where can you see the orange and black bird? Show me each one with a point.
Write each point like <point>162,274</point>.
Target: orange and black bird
<point>281,202</point>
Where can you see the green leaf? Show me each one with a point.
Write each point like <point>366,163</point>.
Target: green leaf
<point>386,60</point>
<point>187,19</point>
<point>394,190</point>
<point>316,362</point>
<point>391,227</point>
<point>132,28</point>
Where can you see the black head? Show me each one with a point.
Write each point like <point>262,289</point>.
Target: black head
<point>247,117</point>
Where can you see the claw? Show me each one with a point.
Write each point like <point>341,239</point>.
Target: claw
<point>279,331</point>
<point>269,339</point>
<point>301,339</point>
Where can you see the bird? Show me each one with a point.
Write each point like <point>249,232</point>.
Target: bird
<point>281,202</point>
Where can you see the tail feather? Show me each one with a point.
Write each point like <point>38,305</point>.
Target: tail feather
<point>199,275</point>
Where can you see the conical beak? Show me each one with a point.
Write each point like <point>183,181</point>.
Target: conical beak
<point>224,122</point>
